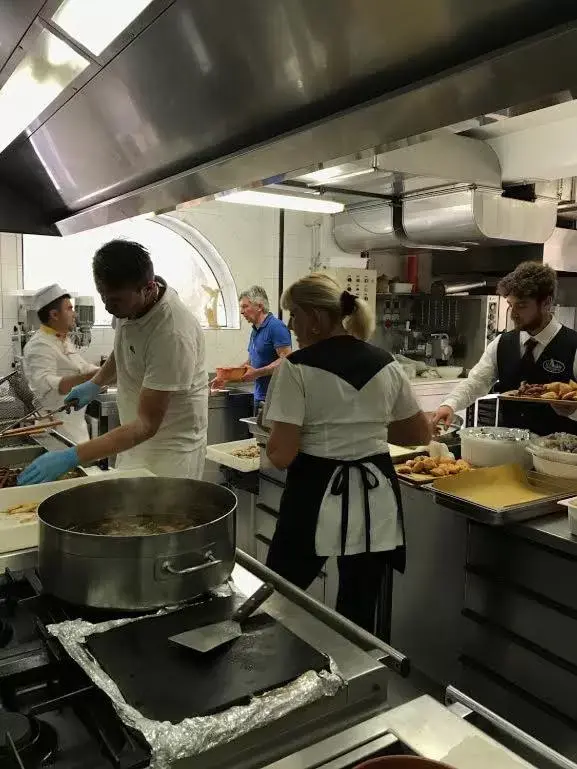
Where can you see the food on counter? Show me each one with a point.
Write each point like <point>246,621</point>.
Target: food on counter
<point>560,442</point>
<point>566,391</point>
<point>438,467</point>
<point>247,452</point>
<point>24,513</point>
<point>9,476</point>
<point>134,525</point>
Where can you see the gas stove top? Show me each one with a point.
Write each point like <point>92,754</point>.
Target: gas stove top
<point>51,714</point>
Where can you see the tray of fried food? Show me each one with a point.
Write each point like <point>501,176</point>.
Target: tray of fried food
<point>426,469</point>
<point>552,392</point>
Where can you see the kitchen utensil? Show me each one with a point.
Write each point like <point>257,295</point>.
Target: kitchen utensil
<point>8,429</point>
<point>166,682</point>
<point>136,572</point>
<point>209,637</point>
<point>34,429</point>
<point>449,372</point>
<point>234,374</point>
<point>492,446</point>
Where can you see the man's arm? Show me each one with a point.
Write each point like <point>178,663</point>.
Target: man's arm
<point>256,373</point>
<point>68,382</point>
<point>152,406</point>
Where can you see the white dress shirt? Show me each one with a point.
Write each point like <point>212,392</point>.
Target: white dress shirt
<point>483,376</point>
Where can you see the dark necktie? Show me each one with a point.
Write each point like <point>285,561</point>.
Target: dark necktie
<point>528,360</point>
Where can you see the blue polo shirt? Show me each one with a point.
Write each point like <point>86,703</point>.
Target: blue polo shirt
<point>262,349</point>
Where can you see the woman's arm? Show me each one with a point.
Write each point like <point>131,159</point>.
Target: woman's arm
<point>414,431</point>
<point>283,444</point>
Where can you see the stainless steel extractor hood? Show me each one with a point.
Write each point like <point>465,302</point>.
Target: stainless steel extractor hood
<point>202,96</point>
<point>456,218</point>
<point>559,251</point>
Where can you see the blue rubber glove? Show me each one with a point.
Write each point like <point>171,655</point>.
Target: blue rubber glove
<point>81,395</point>
<point>49,467</point>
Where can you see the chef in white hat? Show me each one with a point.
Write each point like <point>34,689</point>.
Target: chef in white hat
<point>52,365</point>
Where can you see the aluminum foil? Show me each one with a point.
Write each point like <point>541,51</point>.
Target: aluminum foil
<point>169,741</point>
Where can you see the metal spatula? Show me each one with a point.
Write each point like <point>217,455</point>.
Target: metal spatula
<point>209,637</point>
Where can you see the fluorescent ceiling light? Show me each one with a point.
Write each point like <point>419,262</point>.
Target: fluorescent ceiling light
<point>41,76</point>
<point>95,24</point>
<point>335,174</point>
<point>290,202</point>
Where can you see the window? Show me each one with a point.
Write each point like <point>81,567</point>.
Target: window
<point>181,255</point>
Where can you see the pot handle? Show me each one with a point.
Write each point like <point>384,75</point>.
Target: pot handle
<point>168,568</point>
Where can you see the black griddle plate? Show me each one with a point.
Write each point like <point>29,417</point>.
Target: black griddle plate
<point>166,682</point>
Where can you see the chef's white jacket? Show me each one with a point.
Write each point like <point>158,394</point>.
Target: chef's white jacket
<point>48,358</point>
<point>164,350</point>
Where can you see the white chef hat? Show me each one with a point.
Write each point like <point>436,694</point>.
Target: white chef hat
<point>47,295</point>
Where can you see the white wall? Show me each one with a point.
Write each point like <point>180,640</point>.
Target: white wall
<point>245,236</point>
<point>10,281</point>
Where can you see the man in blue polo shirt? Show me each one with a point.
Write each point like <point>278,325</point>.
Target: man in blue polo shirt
<point>270,341</point>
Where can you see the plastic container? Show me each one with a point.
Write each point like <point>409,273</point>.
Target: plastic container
<point>489,447</point>
<point>553,455</point>
<point>555,469</point>
<point>231,374</point>
<point>572,510</point>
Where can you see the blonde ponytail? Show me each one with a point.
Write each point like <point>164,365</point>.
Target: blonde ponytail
<point>321,292</point>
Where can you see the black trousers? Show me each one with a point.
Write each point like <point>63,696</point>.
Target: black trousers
<point>361,577</point>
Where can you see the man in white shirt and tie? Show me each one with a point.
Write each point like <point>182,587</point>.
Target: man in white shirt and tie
<point>539,350</point>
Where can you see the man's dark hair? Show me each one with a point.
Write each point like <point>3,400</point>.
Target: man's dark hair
<point>529,280</point>
<point>123,264</point>
<point>44,312</point>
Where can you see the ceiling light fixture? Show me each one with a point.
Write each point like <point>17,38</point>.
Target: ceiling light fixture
<point>290,202</point>
<point>95,25</point>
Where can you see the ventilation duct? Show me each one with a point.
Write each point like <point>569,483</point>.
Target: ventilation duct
<point>457,218</point>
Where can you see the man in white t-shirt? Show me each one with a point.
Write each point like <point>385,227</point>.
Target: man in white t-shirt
<point>52,364</point>
<point>158,363</point>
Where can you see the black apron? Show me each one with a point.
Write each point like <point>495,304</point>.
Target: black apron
<point>555,364</point>
<point>307,481</point>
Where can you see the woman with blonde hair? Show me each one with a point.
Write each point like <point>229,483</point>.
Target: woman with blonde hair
<point>332,406</point>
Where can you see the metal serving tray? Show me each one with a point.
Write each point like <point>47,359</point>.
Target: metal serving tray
<point>556,488</point>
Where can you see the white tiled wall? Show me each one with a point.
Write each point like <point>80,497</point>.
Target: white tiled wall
<point>11,281</point>
<point>245,236</point>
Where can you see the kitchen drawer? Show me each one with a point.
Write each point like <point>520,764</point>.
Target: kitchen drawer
<point>517,707</point>
<point>317,588</point>
<point>265,522</point>
<point>524,666</point>
<point>538,622</point>
<point>270,493</point>
<point>510,559</point>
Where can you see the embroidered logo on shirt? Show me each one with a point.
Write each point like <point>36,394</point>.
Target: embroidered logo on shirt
<point>554,366</point>
<point>132,350</point>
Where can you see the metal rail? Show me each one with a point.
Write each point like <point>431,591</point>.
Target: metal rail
<point>453,695</point>
<point>392,658</point>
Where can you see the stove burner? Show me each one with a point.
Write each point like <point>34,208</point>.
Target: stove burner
<point>34,741</point>
<point>6,632</point>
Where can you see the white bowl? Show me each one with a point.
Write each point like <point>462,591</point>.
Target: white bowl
<point>449,372</point>
<point>556,469</point>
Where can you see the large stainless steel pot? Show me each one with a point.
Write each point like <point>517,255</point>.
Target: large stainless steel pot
<point>136,572</point>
